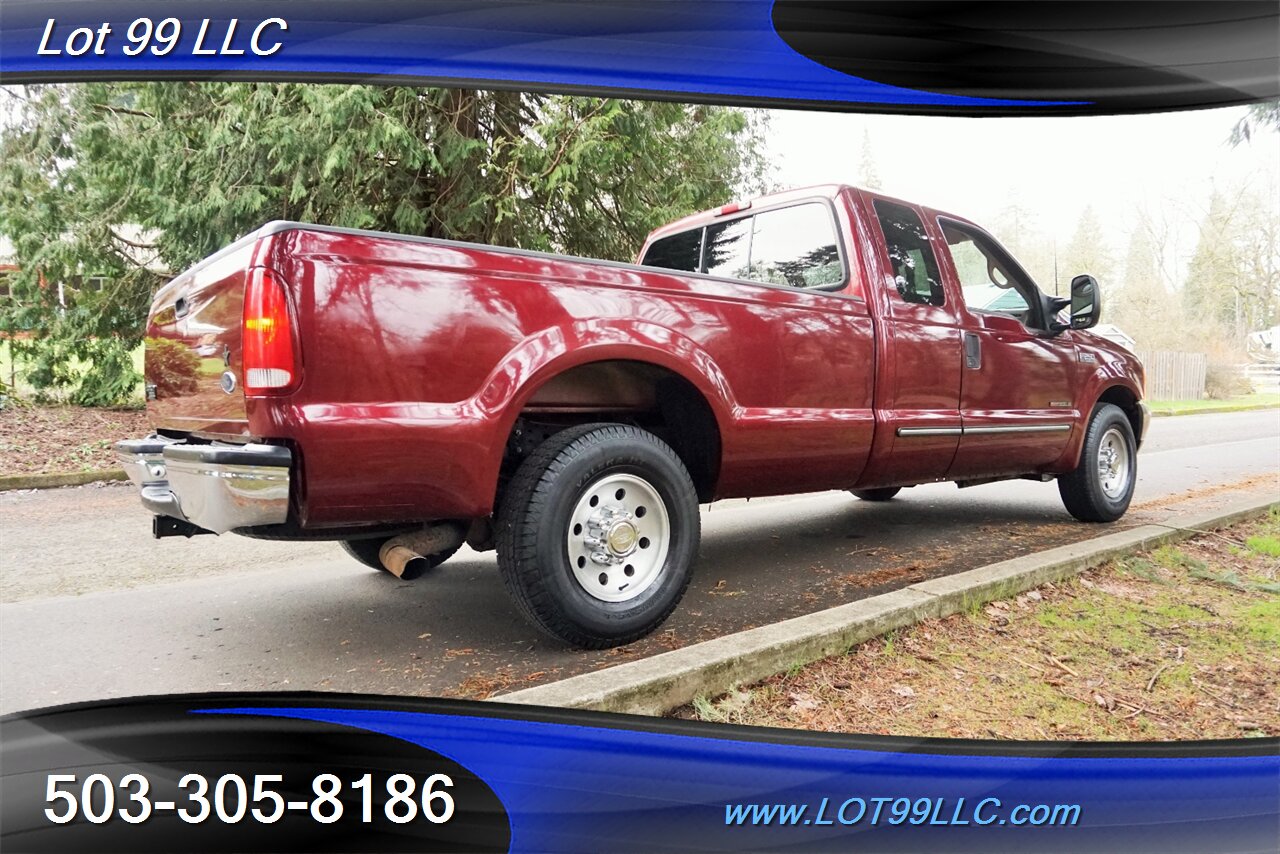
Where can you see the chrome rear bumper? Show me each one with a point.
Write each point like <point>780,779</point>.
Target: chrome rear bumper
<point>217,487</point>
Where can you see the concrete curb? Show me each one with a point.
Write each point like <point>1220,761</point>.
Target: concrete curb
<point>48,481</point>
<point>1214,410</point>
<point>660,683</point>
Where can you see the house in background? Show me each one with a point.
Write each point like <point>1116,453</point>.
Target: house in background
<point>133,242</point>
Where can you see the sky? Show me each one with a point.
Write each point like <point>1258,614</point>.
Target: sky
<point>1165,162</point>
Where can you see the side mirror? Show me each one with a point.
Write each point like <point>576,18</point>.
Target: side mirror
<point>1086,302</point>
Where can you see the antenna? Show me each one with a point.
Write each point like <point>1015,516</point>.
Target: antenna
<point>1055,266</point>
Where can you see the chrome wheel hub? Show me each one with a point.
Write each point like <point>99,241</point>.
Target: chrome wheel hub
<point>618,537</point>
<point>1115,467</point>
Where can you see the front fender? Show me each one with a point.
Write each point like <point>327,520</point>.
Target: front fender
<point>1108,376</point>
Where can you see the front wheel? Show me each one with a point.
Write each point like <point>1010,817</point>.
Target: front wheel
<point>1101,486</point>
<point>597,533</point>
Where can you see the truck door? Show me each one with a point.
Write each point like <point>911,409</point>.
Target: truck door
<point>1017,404</point>
<point>918,349</point>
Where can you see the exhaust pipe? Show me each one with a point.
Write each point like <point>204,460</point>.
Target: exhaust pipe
<point>405,556</point>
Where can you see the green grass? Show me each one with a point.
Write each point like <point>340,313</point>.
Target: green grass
<point>1262,621</point>
<point>1264,545</point>
<point>1142,568</point>
<point>1248,400</point>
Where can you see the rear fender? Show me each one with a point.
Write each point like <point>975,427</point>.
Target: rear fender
<point>553,351</point>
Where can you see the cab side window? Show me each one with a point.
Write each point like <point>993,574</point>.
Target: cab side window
<point>728,251</point>
<point>915,268</point>
<point>989,278</point>
<point>681,252</point>
<point>794,247</point>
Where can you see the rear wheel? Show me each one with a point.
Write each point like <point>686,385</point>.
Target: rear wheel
<point>597,533</point>
<point>1101,486</point>
<point>366,551</point>
<point>882,494</point>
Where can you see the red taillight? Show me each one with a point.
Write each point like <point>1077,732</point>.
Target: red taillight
<point>269,361</point>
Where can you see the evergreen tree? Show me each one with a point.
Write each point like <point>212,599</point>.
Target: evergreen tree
<point>1017,227</point>
<point>196,165</point>
<point>868,174</point>
<point>1143,285</point>
<point>1258,120</point>
<point>1088,251</point>
<point>1141,305</point>
<point>1233,278</point>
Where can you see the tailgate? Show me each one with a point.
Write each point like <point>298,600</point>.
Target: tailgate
<point>193,362</point>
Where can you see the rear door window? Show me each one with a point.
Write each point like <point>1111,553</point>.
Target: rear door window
<point>915,269</point>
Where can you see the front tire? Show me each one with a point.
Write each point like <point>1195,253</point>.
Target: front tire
<point>1101,486</point>
<point>597,534</point>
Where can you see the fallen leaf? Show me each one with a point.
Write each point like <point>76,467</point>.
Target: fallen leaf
<point>803,700</point>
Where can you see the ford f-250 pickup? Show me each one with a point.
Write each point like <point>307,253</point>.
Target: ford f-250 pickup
<point>405,395</point>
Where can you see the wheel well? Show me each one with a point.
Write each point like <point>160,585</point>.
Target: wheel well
<point>645,395</point>
<point>1127,401</point>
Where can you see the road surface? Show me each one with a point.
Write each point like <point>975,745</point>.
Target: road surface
<point>94,608</point>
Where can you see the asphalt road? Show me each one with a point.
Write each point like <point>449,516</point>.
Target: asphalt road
<point>94,608</point>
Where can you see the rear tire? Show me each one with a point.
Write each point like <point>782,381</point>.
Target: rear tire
<point>597,533</point>
<point>1101,486</point>
<point>882,494</point>
<point>366,551</point>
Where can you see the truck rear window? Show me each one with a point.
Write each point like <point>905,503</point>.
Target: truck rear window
<point>678,252</point>
<point>793,246</point>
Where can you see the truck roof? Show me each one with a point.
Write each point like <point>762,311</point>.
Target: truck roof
<point>828,191</point>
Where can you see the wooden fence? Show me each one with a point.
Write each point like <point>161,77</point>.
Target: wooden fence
<point>1263,378</point>
<point>1174,376</point>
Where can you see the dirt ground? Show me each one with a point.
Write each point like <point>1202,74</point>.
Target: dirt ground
<point>51,439</point>
<point>1182,642</point>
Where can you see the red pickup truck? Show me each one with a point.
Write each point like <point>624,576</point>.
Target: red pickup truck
<point>405,395</point>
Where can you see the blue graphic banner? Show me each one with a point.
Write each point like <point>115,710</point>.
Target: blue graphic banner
<point>340,773</point>
<point>971,58</point>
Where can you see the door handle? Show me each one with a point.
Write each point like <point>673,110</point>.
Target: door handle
<point>972,351</point>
